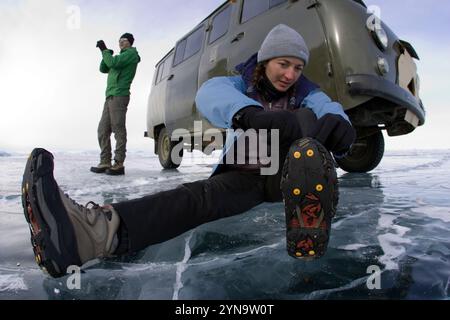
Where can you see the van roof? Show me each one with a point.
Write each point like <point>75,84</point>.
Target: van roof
<point>361,2</point>
<point>209,16</point>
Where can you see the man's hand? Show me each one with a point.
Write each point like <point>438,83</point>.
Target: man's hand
<point>101,44</point>
<point>257,118</point>
<point>335,133</point>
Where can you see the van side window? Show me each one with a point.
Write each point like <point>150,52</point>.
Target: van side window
<point>179,54</point>
<point>189,46</point>
<point>253,8</point>
<point>159,72</point>
<point>164,69</point>
<point>220,24</point>
<point>167,64</point>
<point>194,43</point>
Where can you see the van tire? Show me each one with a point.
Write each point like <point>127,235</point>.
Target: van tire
<point>365,155</point>
<point>165,148</point>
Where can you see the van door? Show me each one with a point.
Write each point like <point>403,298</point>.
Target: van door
<point>156,107</point>
<point>214,61</point>
<point>215,55</point>
<point>182,82</point>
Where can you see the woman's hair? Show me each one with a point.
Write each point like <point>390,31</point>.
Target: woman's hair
<point>259,72</point>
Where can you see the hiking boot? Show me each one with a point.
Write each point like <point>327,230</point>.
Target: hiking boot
<point>116,170</point>
<point>310,191</point>
<point>101,168</point>
<point>63,233</point>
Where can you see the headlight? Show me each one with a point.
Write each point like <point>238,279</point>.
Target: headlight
<point>381,37</point>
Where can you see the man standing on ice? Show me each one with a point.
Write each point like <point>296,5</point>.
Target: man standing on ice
<point>121,70</point>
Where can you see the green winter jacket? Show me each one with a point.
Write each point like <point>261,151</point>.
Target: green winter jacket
<point>121,70</point>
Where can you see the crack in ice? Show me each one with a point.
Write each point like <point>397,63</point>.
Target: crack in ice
<point>181,267</point>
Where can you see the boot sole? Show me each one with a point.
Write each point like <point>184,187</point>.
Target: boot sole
<point>120,172</point>
<point>310,192</point>
<point>52,234</point>
<point>96,170</point>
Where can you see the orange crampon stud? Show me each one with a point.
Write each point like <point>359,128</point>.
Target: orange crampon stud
<point>310,153</point>
<point>297,155</point>
<point>312,253</point>
<point>299,254</point>
<point>297,192</point>
<point>319,188</point>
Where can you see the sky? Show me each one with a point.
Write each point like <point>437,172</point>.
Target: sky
<point>52,94</point>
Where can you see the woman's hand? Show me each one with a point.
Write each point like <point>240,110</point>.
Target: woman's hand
<point>257,118</point>
<point>335,133</point>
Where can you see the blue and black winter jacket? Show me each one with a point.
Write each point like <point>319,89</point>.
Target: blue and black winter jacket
<point>220,99</point>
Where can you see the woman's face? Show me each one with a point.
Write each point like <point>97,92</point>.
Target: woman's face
<point>283,72</point>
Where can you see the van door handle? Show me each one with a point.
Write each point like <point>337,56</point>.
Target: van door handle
<point>171,77</point>
<point>238,37</point>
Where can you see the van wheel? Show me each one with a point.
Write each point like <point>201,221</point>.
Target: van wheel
<point>365,155</point>
<point>165,148</point>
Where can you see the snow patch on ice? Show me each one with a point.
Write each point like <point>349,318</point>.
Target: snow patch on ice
<point>11,282</point>
<point>352,247</point>
<point>440,213</point>
<point>391,242</point>
<point>349,218</point>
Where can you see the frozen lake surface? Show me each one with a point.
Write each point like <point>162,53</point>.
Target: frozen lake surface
<point>396,218</point>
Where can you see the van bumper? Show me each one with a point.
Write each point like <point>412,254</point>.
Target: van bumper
<point>368,85</point>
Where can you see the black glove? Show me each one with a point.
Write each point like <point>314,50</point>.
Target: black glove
<point>335,133</point>
<point>257,118</point>
<point>101,44</point>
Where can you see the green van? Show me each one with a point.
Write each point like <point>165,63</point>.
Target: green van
<point>355,58</point>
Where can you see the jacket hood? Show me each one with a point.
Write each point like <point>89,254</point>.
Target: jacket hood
<point>134,50</point>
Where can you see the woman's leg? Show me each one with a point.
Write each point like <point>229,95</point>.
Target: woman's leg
<point>165,215</point>
<point>306,120</point>
<point>65,234</point>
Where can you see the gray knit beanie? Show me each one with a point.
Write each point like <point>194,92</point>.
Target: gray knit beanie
<point>283,41</point>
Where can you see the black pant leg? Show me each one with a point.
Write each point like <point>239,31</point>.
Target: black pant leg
<point>165,215</point>
<point>306,119</point>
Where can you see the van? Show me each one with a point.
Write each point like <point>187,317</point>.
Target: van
<point>356,59</point>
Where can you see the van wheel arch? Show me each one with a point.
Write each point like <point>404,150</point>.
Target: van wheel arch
<point>164,147</point>
<point>365,155</point>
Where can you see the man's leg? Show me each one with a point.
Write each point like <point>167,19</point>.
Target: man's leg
<point>104,140</point>
<point>163,216</point>
<point>118,112</point>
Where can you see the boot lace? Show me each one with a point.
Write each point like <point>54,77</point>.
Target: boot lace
<point>90,207</point>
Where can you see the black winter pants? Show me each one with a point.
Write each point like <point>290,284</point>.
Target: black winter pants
<point>157,218</point>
